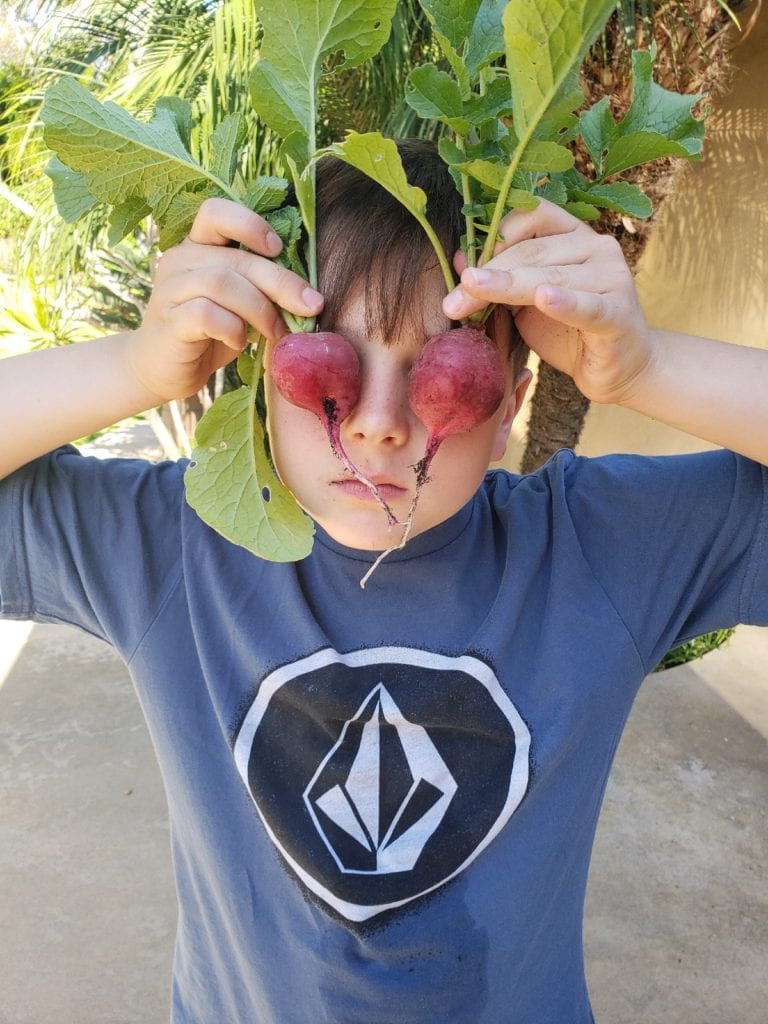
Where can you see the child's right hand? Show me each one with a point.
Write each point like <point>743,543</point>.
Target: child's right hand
<point>205,296</point>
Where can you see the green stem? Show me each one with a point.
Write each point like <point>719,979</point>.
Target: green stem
<point>501,203</point>
<point>312,228</point>
<point>445,266</point>
<point>296,325</point>
<point>466,192</point>
<point>258,358</point>
<point>257,350</point>
<point>470,222</point>
<point>312,235</point>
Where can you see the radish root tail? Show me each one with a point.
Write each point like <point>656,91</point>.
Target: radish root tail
<point>334,436</point>
<point>422,470</point>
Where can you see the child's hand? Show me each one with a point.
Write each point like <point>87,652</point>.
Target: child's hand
<point>207,293</point>
<point>573,297</point>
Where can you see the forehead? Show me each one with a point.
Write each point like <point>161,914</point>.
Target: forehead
<point>404,319</point>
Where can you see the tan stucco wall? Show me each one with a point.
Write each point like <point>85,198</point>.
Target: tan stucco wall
<point>705,269</point>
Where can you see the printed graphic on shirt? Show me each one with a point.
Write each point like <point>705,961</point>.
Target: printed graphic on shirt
<point>382,773</point>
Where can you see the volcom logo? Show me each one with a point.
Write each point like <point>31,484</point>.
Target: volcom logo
<point>394,796</point>
<point>382,773</point>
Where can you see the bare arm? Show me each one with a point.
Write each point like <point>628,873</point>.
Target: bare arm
<point>714,390</point>
<point>576,305</point>
<point>52,397</point>
<point>205,297</point>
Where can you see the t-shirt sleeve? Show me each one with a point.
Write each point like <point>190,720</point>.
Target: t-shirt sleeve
<point>90,542</point>
<point>679,544</point>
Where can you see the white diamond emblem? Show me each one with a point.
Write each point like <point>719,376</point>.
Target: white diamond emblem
<point>381,791</point>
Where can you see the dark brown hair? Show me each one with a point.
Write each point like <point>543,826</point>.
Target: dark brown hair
<point>369,244</point>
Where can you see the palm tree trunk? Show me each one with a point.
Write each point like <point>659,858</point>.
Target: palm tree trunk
<point>558,411</point>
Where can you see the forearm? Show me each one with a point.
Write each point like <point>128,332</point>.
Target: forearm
<point>714,390</point>
<point>52,397</point>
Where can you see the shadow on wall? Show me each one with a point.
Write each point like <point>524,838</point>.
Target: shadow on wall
<point>705,269</point>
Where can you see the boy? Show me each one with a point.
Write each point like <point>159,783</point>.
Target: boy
<point>382,802</point>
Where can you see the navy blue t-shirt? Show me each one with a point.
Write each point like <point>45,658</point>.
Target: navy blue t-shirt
<point>383,801</point>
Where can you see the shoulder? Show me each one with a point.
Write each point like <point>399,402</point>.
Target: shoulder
<point>67,470</point>
<point>68,501</point>
<point>112,528</point>
<point>579,477</point>
<point>619,500</point>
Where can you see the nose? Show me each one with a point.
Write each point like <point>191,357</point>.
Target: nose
<point>382,414</point>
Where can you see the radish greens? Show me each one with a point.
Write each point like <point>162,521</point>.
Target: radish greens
<point>506,92</point>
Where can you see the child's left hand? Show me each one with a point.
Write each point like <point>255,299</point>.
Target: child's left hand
<point>573,297</point>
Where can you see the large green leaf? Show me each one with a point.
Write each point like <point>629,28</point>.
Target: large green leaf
<point>178,217</point>
<point>265,193</point>
<point>379,158</point>
<point>471,27</point>
<point>226,139</point>
<point>120,157</point>
<point>232,486</point>
<point>299,35</point>
<point>125,217</point>
<point>620,196</point>
<point>639,148</point>
<point>598,129</point>
<point>545,43</point>
<point>655,109</point>
<point>485,40</point>
<point>434,94</point>
<point>73,198</point>
<point>658,123</point>
<point>545,156</point>
<point>452,18</point>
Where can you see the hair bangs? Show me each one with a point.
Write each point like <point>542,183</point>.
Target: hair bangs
<point>382,262</point>
<point>370,246</point>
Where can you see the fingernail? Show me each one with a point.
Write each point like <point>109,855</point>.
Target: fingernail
<point>477,276</point>
<point>312,299</point>
<point>273,241</point>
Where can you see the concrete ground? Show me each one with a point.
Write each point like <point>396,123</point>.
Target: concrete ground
<point>677,915</point>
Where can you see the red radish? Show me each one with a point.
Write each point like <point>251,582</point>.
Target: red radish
<point>321,372</point>
<point>456,384</point>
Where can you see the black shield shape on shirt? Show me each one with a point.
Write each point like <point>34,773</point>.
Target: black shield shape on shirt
<point>382,773</point>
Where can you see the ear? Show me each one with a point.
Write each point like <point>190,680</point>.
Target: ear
<point>514,402</point>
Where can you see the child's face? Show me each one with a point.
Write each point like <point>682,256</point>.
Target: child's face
<point>384,438</point>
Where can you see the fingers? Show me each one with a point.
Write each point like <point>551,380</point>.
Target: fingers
<point>221,222</point>
<point>518,286</point>
<point>546,219</point>
<point>241,282</point>
<point>248,285</point>
<point>552,250</point>
<point>584,310</point>
<point>200,319</point>
<point>514,287</point>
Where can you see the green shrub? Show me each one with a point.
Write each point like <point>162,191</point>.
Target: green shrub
<point>694,649</point>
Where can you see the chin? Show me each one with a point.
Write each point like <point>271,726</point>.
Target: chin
<point>373,536</point>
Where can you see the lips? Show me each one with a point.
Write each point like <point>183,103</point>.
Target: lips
<point>354,489</point>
